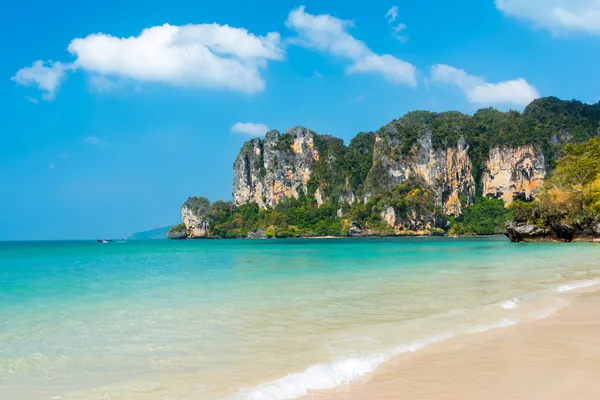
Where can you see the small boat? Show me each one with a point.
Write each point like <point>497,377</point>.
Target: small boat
<point>104,240</point>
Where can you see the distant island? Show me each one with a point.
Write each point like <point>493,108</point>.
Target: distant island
<point>532,176</point>
<point>153,234</point>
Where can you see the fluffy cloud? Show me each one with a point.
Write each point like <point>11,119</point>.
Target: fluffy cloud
<point>478,91</point>
<point>249,128</point>
<point>392,14</point>
<point>206,55</point>
<point>47,76</point>
<point>556,15</point>
<point>329,34</point>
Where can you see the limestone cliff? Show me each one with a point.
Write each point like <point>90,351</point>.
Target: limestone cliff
<point>447,170</point>
<point>299,161</point>
<point>413,222</point>
<point>401,179</point>
<point>196,223</point>
<point>195,216</point>
<point>280,167</point>
<point>514,173</point>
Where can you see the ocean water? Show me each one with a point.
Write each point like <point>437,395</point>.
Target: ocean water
<point>257,320</point>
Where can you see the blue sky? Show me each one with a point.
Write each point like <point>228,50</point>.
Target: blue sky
<point>105,130</point>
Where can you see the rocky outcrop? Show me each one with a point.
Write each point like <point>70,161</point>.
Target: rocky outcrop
<point>280,167</point>
<point>357,230</point>
<point>514,173</point>
<point>521,232</point>
<point>257,234</point>
<point>559,232</point>
<point>196,223</point>
<point>448,171</point>
<point>414,222</point>
<point>178,232</point>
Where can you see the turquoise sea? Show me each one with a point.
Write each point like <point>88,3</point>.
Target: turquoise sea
<point>245,319</point>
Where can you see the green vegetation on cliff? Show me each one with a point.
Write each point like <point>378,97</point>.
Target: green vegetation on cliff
<point>342,170</point>
<point>484,217</point>
<point>571,196</point>
<point>547,123</point>
<point>290,218</point>
<point>352,190</point>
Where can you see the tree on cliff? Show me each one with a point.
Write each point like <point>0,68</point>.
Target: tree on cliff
<point>572,193</point>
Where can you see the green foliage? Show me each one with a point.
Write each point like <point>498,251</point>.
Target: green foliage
<point>547,123</point>
<point>285,142</point>
<point>484,217</point>
<point>359,160</point>
<point>560,119</point>
<point>198,205</point>
<point>579,165</point>
<point>302,217</point>
<point>414,204</point>
<point>329,172</point>
<point>572,193</point>
<point>178,229</point>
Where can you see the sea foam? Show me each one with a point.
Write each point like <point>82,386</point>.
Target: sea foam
<point>343,371</point>
<point>578,285</point>
<point>510,304</point>
<point>500,324</point>
<point>329,376</point>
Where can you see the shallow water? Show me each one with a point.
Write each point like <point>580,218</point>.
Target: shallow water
<point>257,319</point>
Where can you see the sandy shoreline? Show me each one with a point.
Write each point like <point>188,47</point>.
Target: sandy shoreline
<point>557,358</point>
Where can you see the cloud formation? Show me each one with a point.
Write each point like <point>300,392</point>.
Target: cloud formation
<point>392,14</point>
<point>47,76</point>
<point>205,55</point>
<point>329,34</point>
<point>397,29</point>
<point>515,92</point>
<point>556,16</point>
<point>248,128</point>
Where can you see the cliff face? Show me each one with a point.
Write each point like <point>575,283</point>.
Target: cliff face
<point>281,167</point>
<point>448,171</point>
<point>589,231</point>
<point>400,179</point>
<point>267,172</point>
<point>196,224</point>
<point>514,173</point>
<point>414,222</point>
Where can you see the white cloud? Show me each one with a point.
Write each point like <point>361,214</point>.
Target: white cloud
<point>478,91</point>
<point>91,140</point>
<point>248,128</point>
<point>47,76</point>
<point>205,55</point>
<point>329,34</point>
<point>397,33</point>
<point>555,15</point>
<point>392,14</point>
<point>397,29</point>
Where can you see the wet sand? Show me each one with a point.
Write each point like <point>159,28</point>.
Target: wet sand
<point>557,358</point>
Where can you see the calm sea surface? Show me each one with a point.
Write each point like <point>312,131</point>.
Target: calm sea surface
<point>240,319</point>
